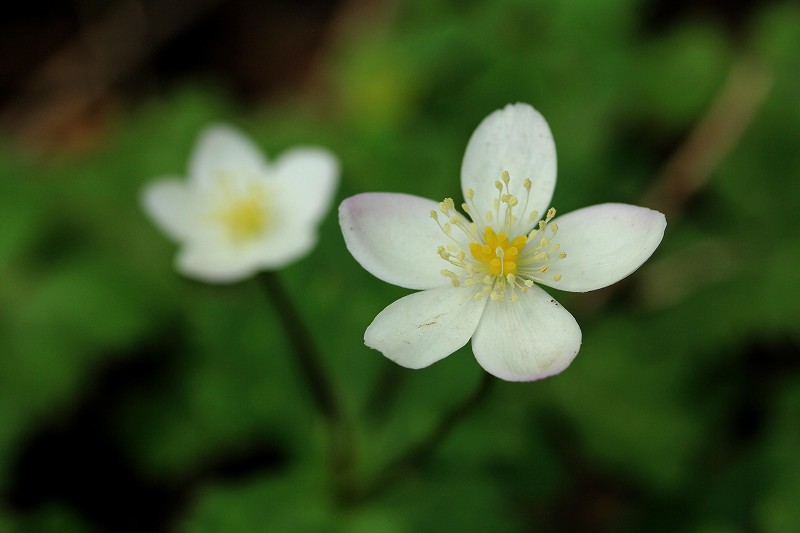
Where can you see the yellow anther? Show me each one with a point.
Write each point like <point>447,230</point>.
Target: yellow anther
<point>496,253</point>
<point>496,265</point>
<point>446,205</point>
<point>453,277</point>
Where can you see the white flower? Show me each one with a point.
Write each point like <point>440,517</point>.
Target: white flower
<point>480,278</point>
<point>236,214</point>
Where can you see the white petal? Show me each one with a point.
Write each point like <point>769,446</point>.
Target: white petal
<point>215,264</point>
<point>307,179</point>
<point>516,139</point>
<point>283,246</point>
<point>604,243</point>
<point>393,237</point>
<point>529,339</point>
<point>211,257</point>
<point>424,327</point>
<point>172,205</point>
<point>222,150</point>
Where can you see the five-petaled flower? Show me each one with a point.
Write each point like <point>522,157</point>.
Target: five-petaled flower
<point>479,276</point>
<point>237,214</point>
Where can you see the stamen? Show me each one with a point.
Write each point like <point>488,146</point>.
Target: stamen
<point>492,264</point>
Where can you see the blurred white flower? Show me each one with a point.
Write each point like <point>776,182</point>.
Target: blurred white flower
<point>237,214</point>
<point>480,276</point>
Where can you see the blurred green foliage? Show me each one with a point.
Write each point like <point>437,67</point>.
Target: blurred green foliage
<point>680,413</point>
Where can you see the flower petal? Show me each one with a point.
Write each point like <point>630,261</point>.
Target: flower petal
<point>222,150</point>
<point>393,237</point>
<point>307,180</point>
<point>284,246</point>
<point>210,256</point>
<point>604,243</point>
<point>212,263</point>
<point>529,339</point>
<point>424,327</point>
<point>516,139</point>
<point>172,205</point>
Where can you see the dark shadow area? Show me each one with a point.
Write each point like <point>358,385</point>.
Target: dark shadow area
<point>76,460</point>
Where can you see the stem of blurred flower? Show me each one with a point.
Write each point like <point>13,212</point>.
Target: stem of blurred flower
<point>384,392</point>
<point>323,394</point>
<point>419,453</point>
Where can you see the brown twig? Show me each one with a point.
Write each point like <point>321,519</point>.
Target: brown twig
<point>691,166</point>
<point>711,140</point>
<point>82,73</point>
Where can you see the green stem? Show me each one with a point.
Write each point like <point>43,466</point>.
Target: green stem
<point>323,395</point>
<point>419,453</point>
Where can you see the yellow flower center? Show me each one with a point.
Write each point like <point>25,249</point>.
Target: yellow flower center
<point>242,208</point>
<point>496,267</point>
<point>245,218</point>
<point>499,255</point>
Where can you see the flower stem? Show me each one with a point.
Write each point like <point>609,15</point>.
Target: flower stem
<point>420,452</point>
<point>323,395</point>
<point>385,392</point>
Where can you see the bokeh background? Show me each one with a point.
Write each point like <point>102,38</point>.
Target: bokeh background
<point>133,399</point>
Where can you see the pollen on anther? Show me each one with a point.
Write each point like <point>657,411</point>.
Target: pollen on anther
<point>434,215</point>
<point>446,205</point>
<point>527,184</point>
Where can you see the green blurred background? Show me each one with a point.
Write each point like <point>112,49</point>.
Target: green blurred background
<point>132,399</point>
